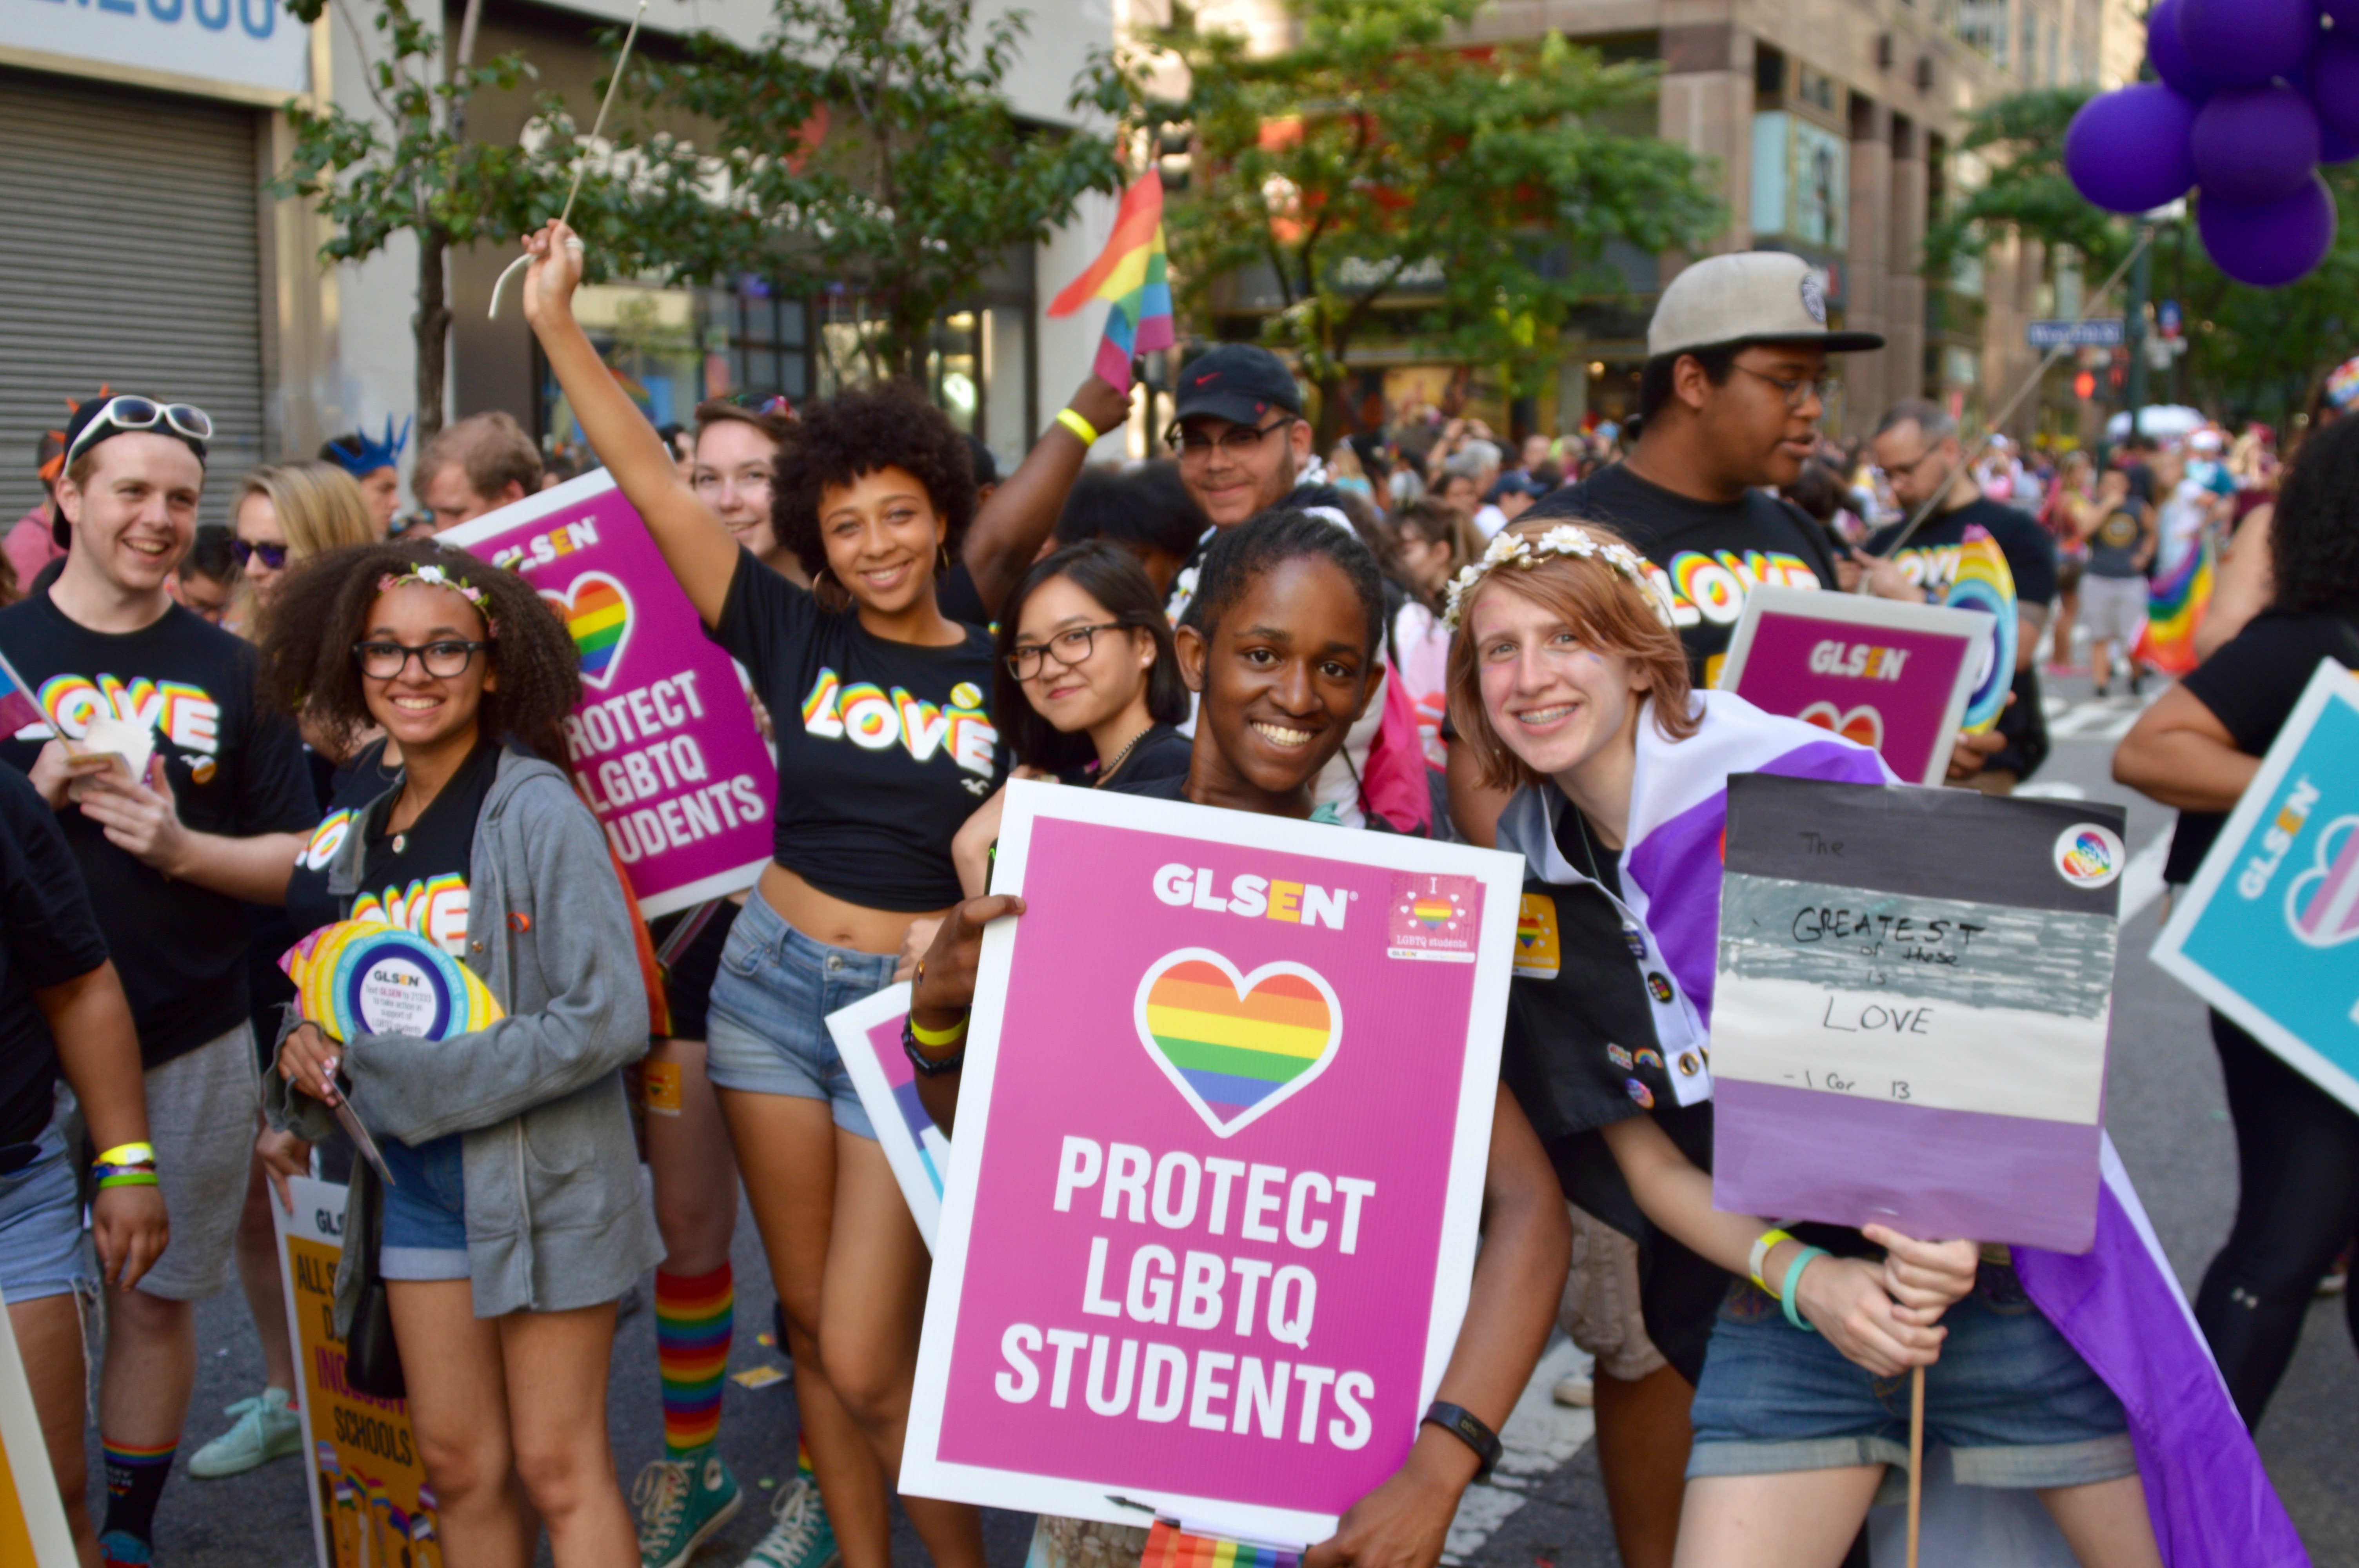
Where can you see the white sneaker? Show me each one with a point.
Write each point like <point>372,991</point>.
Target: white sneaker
<point>265,1430</point>
<point>802,1538</point>
<point>1576,1390</point>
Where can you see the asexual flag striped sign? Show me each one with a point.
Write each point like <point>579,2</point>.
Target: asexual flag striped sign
<point>1910,1006</point>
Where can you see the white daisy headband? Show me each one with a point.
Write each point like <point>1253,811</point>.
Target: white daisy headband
<point>430,576</point>
<point>1524,551</point>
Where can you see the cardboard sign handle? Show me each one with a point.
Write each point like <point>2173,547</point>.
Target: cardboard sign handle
<point>1915,1458</point>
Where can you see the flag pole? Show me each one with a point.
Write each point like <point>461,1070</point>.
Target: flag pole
<point>596,126</point>
<point>1915,1458</point>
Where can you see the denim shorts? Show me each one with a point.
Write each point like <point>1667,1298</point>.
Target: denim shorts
<point>41,1251</point>
<point>2014,1402</point>
<point>425,1235</point>
<point>766,1030</point>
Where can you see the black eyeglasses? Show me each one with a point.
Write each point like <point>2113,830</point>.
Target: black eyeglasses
<point>1068,647</point>
<point>1798,393</point>
<point>1235,441</point>
<point>183,419</point>
<point>442,659</point>
<point>273,556</point>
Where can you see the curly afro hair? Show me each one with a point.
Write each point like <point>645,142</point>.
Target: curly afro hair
<point>859,432</point>
<point>321,609</point>
<point>2314,534</point>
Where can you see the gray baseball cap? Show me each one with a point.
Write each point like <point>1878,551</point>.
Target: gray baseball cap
<point>1748,297</point>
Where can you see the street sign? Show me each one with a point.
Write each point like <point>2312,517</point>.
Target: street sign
<point>2169,321</point>
<point>2105,332</point>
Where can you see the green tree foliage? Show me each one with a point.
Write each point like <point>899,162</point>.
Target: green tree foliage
<point>864,147</point>
<point>407,167</point>
<point>1385,171</point>
<point>2252,352</point>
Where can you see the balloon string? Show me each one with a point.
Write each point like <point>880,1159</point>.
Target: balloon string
<point>2048,362</point>
<point>582,168</point>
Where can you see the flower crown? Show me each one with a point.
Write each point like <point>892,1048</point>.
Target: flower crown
<point>1524,551</point>
<point>431,576</point>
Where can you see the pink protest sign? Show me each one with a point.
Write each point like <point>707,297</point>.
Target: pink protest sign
<point>1890,675</point>
<point>868,1038</point>
<point>1211,1217</point>
<point>663,746</point>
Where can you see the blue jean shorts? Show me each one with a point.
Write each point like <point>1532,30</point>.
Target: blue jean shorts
<point>41,1248</point>
<point>766,1030</point>
<point>2014,1402</point>
<point>425,1235</point>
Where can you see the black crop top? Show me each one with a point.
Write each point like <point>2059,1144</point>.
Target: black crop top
<point>885,749</point>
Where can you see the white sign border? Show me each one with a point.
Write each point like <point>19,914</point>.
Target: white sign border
<point>849,1026</point>
<point>35,1478</point>
<point>1862,610</point>
<point>923,1472</point>
<point>2331,682</point>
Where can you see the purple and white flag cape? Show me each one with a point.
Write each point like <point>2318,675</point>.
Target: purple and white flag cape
<point>2118,1304</point>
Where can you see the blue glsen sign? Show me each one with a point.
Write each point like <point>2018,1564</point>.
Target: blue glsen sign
<point>2105,333</point>
<point>2265,932</point>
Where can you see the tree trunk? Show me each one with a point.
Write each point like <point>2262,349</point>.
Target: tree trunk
<point>432,327</point>
<point>1330,426</point>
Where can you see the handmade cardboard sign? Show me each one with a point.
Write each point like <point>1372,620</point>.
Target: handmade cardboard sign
<point>371,1504</point>
<point>663,745</point>
<point>32,1520</point>
<point>2264,932</point>
<point>1892,676</point>
<point>868,1037</point>
<point>1909,1009</point>
<point>1210,1228</point>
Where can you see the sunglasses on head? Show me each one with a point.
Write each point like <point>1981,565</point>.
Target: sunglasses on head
<point>764,402</point>
<point>185,420</point>
<point>274,557</point>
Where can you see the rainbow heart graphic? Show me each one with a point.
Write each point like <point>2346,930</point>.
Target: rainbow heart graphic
<point>1236,1046</point>
<point>1432,913</point>
<point>598,613</point>
<point>1863,724</point>
<point>2322,904</point>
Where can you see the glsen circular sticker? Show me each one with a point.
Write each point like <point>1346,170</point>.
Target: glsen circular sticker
<point>1640,1093</point>
<point>966,693</point>
<point>1814,295</point>
<point>2088,855</point>
<point>395,984</point>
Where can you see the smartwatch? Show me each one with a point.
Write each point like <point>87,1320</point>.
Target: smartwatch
<point>1467,1428</point>
<point>927,1067</point>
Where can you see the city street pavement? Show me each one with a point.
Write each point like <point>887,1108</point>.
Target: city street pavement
<point>1546,1510</point>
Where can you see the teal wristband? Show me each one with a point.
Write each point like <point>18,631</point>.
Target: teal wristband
<point>1793,1277</point>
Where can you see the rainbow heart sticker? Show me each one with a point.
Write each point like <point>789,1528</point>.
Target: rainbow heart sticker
<point>1432,913</point>
<point>598,613</point>
<point>1236,1046</point>
<point>2322,903</point>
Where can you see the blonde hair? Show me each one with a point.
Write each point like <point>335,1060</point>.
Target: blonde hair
<point>319,507</point>
<point>1614,613</point>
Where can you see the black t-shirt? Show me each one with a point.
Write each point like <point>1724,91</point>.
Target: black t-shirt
<point>2251,685</point>
<point>415,880</point>
<point>1711,553</point>
<point>2113,546</point>
<point>1162,752</point>
<point>50,937</point>
<point>1930,561</point>
<point>885,748</point>
<point>957,598</point>
<point>1930,556</point>
<point>233,769</point>
<point>1171,786</point>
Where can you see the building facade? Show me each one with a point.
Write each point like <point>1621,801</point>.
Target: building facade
<point>143,253</point>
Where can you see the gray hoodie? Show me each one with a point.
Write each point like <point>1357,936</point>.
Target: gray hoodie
<point>556,1215</point>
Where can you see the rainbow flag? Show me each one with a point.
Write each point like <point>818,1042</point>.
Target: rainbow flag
<point>1236,1051</point>
<point>19,709</point>
<point>2174,608</point>
<point>1130,272</point>
<point>1170,1545</point>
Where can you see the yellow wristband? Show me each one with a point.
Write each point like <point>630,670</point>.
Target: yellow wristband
<point>935,1039</point>
<point>1079,427</point>
<point>128,1154</point>
<point>1761,1246</point>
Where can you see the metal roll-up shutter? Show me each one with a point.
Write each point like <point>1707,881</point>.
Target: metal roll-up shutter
<point>129,256</point>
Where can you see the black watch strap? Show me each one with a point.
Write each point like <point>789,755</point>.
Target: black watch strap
<point>1467,1428</point>
<point>927,1067</point>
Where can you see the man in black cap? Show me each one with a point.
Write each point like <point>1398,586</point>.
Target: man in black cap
<point>178,798</point>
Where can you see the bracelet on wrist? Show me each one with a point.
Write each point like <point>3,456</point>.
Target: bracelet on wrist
<point>930,1067</point>
<point>1762,1245</point>
<point>1078,426</point>
<point>1793,1277</point>
<point>128,1179</point>
<point>128,1154</point>
<point>935,1039</point>
<point>1469,1429</point>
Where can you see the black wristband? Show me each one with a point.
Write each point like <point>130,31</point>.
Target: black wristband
<point>926,1066</point>
<point>1468,1428</point>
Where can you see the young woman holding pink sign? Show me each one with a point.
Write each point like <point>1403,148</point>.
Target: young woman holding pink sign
<point>1284,641</point>
<point>885,745</point>
<point>1569,684</point>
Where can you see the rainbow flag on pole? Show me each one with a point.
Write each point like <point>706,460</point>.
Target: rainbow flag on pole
<point>1131,273</point>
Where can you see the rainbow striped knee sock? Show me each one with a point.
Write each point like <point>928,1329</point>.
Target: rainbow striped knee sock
<point>135,1483</point>
<point>694,1316</point>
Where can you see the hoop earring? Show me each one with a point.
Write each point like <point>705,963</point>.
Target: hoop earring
<point>944,551</point>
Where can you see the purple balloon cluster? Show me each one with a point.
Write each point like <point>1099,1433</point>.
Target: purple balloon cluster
<point>2254,95</point>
